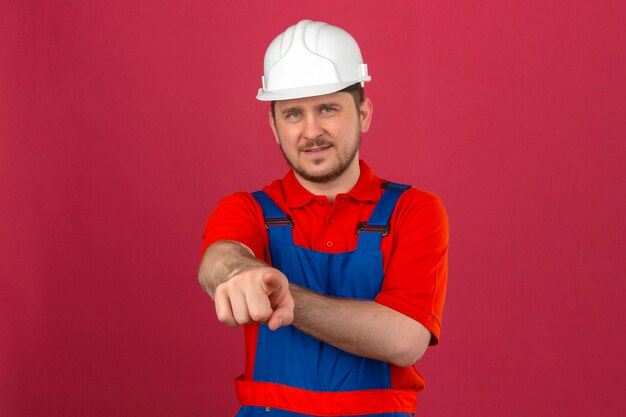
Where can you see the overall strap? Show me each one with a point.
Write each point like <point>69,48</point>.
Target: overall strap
<point>277,223</point>
<point>372,231</point>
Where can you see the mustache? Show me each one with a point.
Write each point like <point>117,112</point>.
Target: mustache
<point>317,143</point>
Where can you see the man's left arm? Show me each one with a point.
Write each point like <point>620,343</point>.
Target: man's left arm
<point>364,328</point>
<point>397,327</point>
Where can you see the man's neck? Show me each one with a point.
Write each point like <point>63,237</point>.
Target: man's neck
<point>342,184</point>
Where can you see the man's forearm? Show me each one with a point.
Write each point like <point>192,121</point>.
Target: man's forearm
<point>361,327</point>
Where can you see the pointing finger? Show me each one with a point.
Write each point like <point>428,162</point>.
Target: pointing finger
<point>271,282</point>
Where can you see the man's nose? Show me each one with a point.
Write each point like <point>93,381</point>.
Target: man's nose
<point>312,128</point>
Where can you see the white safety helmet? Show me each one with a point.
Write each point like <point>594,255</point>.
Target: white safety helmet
<point>311,59</point>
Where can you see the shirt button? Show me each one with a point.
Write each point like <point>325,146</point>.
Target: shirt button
<point>343,200</point>
<point>329,243</point>
<point>331,221</point>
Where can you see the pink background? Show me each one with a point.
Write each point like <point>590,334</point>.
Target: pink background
<point>123,122</point>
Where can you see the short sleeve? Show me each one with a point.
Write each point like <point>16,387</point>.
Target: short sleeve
<point>237,217</point>
<point>417,269</point>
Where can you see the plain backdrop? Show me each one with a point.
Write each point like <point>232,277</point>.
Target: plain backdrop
<point>123,122</point>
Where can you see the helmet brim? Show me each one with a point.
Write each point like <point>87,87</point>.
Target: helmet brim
<point>302,92</point>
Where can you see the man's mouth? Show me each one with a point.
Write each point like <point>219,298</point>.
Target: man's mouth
<point>316,146</point>
<point>317,149</point>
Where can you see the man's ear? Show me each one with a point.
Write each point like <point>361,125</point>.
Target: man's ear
<point>273,126</point>
<point>365,113</point>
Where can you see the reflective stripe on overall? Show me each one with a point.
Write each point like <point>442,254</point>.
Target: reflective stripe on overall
<point>296,372</point>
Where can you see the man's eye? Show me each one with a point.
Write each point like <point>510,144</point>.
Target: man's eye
<point>327,110</point>
<point>293,115</point>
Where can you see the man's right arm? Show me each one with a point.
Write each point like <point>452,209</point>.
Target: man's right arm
<point>244,289</point>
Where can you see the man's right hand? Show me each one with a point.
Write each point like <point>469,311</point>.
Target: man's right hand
<point>259,294</point>
<point>245,289</point>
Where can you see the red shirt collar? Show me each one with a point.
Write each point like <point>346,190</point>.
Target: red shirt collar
<point>367,188</point>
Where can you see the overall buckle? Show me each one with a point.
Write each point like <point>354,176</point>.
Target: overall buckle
<point>278,221</point>
<point>364,227</point>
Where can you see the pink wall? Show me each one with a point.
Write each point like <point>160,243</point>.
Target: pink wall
<point>122,123</point>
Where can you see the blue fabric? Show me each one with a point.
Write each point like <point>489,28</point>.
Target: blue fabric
<point>381,215</point>
<point>290,357</point>
<point>275,412</point>
<point>271,211</point>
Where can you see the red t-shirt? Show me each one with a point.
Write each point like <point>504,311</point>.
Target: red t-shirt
<point>414,252</point>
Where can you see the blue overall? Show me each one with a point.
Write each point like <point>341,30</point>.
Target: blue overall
<point>290,357</point>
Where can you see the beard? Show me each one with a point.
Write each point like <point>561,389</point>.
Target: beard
<point>342,164</point>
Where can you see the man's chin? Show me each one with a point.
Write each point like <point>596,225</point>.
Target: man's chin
<point>320,176</point>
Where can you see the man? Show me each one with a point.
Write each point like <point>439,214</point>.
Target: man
<point>338,276</point>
